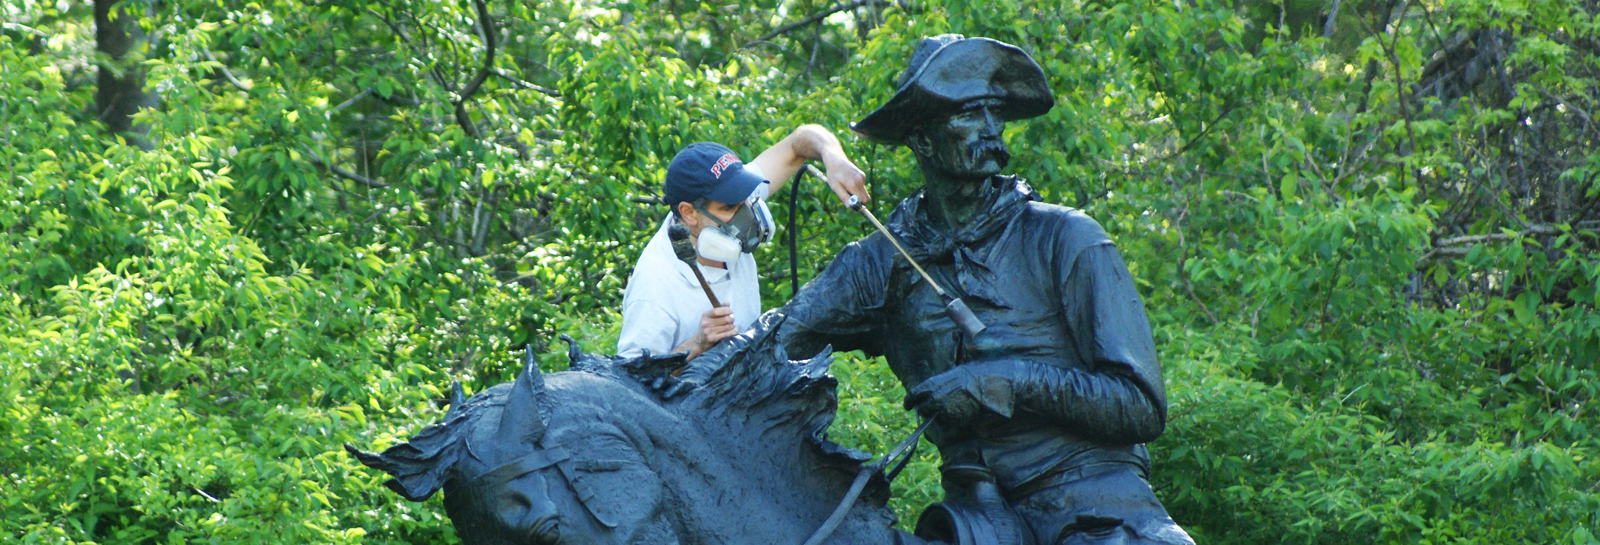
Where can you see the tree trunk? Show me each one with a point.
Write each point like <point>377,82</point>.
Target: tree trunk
<point>121,91</point>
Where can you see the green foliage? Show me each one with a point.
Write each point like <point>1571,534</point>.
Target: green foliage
<point>1368,256</point>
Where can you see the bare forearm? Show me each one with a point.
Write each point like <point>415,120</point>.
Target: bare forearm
<point>693,346</point>
<point>814,143</point>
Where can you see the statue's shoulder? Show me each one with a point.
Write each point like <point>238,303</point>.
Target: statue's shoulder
<point>1071,227</point>
<point>873,247</point>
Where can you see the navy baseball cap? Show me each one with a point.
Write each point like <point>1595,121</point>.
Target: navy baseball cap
<point>707,169</point>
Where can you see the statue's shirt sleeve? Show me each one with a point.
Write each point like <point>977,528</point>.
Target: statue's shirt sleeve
<point>841,306</point>
<point>1108,322</point>
<point>1073,347</point>
<point>1116,396</point>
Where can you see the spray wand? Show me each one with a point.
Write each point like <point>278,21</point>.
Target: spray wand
<point>956,309</point>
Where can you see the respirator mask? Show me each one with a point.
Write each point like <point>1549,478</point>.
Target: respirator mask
<point>750,227</point>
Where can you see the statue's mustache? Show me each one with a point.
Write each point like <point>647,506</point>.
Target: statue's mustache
<point>988,147</point>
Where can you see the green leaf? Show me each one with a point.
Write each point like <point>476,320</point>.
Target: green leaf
<point>1526,304</point>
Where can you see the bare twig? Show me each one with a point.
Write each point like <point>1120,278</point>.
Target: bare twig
<point>1227,108</point>
<point>5,131</point>
<point>340,172</point>
<point>203,493</point>
<point>1328,26</point>
<point>1579,111</point>
<point>1459,246</point>
<point>1183,274</point>
<point>433,70</point>
<point>227,75</point>
<point>518,82</point>
<point>777,47</point>
<point>22,28</point>
<point>347,103</point>
<point>818,16</point>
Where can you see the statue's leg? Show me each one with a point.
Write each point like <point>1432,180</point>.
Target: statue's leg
<point>1114,506</point>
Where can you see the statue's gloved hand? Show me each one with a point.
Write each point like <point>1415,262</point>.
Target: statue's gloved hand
<point>1108,407</point>
<point>963,393</point>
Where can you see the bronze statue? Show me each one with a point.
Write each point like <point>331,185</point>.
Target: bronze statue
<point>1040,406</point>
<point>1042,415</point>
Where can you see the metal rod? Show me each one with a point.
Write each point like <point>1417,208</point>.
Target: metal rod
<point>855,204</point>
<point>956,308</point>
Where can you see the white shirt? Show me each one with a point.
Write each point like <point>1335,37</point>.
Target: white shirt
<point>663,302</point>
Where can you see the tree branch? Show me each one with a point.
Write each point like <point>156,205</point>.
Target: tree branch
<point>1329,26</point>
<point>340,172</point>
<point>227,75</point>
<point>486,33</point>
<point>818,16</point>
<point>23,28</point>
<point>347,103</point>
<point>519,82</point>
<point>1459,246</point>
<point>1227,108</point>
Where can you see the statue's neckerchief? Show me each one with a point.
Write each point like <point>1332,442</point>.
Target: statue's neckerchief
<point>1003,197</point>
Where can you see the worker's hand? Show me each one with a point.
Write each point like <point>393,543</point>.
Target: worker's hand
<point>716,324</point>
<point>845,179</point>
<point>700,369</point>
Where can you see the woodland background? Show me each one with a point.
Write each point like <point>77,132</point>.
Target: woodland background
<point>235,235</point>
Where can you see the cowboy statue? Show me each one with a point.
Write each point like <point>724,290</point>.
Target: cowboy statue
<point>1040,418</point>
<point>1013,324</point>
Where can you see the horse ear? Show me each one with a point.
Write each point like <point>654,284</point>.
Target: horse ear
<point>457,399</point>
<point>521,417</point>
<point>573,352</point>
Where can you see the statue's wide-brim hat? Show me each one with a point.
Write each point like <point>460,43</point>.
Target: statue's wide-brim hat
<point>950,70</point>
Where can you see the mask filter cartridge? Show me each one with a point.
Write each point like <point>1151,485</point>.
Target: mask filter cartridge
<point>716,245</point>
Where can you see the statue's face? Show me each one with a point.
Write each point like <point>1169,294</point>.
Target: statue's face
<point>965,145</point>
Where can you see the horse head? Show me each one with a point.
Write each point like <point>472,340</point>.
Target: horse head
<point>487,455</point>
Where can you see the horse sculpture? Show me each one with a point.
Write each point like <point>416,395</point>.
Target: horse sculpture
<point>593,455</point>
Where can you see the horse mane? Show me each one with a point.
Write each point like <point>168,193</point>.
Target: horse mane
<point>421,465</point>
<point>757,390</point>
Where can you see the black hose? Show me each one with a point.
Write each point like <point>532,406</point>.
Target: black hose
<point>794,256</point>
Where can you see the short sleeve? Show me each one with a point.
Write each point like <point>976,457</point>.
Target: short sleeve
<point>646,326</point>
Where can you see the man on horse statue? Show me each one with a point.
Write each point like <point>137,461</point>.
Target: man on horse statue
<point>1041,418</point>
<point>1013,324</point>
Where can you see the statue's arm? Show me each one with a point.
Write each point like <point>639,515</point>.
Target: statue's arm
<point>839,306</point>
<point>1122,386</point>
<point>1107,408</point>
